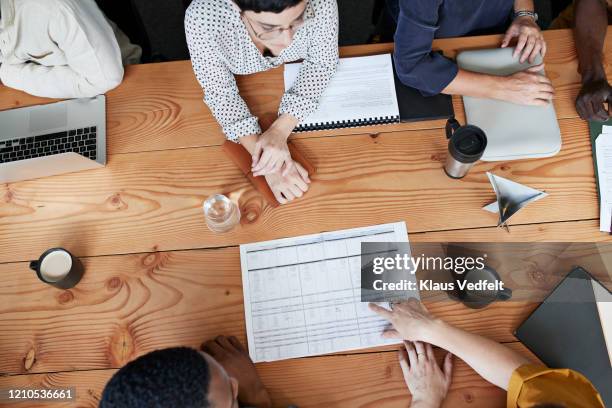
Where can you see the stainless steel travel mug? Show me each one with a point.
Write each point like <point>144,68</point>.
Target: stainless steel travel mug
<point>466,145</point>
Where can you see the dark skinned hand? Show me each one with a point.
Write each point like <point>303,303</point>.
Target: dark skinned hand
<point>592,100</point>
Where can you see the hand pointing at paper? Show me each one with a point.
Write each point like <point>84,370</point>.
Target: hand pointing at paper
<point>495,362</point>
<point>411,321</point>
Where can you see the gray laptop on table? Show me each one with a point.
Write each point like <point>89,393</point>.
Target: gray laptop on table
<point>57,138</point>
<point>513,131</point>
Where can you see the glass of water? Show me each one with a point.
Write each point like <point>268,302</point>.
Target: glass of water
<point>221,213</point>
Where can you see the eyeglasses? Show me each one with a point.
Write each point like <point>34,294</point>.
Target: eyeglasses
<point>268,35</point>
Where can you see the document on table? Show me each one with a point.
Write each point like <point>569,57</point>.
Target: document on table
<point>603,150</point>
<point>361,92</point>
<point>302,294</point>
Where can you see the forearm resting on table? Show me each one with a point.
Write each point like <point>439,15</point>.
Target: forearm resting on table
<point>491,360</point>
<point>590,33</point>
<point>248,142</point>
<point>468,83</point>
<point>284,124</point>
<point>56,81</point>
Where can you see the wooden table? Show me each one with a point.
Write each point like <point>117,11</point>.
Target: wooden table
<point>156,277</point>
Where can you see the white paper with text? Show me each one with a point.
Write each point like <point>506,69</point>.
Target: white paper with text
<point>302,295</point>
<point>603,147</point>
<point>363,89</point>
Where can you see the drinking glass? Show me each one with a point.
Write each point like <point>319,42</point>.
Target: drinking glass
<point>221,213</point>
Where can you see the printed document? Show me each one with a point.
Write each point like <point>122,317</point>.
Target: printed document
<point>302,294</point>
<point>603,150</point>
<point>362,90</point>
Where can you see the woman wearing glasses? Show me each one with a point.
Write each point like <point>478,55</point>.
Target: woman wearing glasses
<point>228,37</point>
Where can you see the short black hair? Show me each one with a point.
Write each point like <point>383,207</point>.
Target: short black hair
<point>271,6</point>
<point>173,377</point>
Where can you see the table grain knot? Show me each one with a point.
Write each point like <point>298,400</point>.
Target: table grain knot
<point>468,397</point>
<point>537,277</point>
<point>154,260</point>
<point>251,210</point>
<point>8,195</point>
<point>29,359</point>
<point>65,297</point>
<point>388,373</point>
<point>116,201</point>
<point>122,346</point>
<point>114,283</point>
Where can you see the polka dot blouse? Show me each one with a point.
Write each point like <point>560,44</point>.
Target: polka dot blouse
<point>220,46</point>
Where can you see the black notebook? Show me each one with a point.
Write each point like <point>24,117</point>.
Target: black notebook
<point>366,91</point>
<point>413,106</point>
<point>571,329</point>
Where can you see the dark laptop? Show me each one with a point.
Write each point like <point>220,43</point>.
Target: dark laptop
<point>566,330</point>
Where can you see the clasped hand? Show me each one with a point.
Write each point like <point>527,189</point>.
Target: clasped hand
<point>271,154</point>
<point>272,159</point>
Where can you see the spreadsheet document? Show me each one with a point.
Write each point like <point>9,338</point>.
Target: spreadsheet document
<point>302,295</point>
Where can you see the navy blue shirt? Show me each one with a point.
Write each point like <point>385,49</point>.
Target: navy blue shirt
<point>420,21</point>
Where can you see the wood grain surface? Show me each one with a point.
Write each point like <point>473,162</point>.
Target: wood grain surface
<point>569,231</point>
<point>351,381</point>
<point>157,277</point>
<point>128,305</point>
<point>153,200</point>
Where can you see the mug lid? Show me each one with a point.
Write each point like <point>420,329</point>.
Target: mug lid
<point>468,144</point>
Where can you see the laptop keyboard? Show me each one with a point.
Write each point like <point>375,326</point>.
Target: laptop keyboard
<point>81,141</point>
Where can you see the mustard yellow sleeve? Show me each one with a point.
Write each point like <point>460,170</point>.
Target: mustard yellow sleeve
<point>535,384</point>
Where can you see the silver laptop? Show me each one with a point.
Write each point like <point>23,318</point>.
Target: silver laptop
<point>46,140</point>
<point>513,131</point>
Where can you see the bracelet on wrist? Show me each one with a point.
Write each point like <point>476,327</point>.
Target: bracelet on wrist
<point>526,13</point>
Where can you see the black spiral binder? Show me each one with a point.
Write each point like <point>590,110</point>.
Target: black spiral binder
<point>340,124</point>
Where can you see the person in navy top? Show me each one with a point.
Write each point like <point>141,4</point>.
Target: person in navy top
<point>419,22</point>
